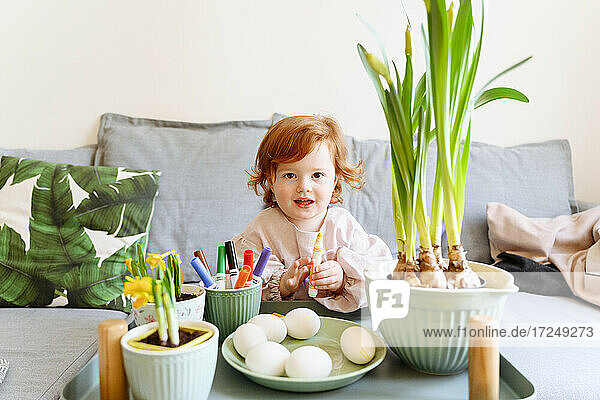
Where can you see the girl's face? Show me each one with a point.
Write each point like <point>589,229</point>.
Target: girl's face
<point>303,188</point>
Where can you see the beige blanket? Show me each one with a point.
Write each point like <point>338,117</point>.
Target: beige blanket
<point>571,242</point>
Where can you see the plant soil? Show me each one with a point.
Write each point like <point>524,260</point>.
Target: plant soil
<point>186,296</point>
<point>185,336</point>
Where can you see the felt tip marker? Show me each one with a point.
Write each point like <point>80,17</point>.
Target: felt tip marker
<point>316,260</point>
<point>245,273</point>
<point>200,255</point>
<point>249,260</point>
<point>262,261</point>
<point>203,273</point>
<point>221,277</point>
<point>231,261</point>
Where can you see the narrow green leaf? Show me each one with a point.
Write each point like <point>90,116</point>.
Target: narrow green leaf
<point>488,83</point>
<point>499,93</point>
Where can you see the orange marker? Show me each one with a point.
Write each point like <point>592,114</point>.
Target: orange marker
<point>245,273</point>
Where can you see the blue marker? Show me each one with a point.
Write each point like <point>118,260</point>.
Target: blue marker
<point>262,261</point>
<point>204,275</point>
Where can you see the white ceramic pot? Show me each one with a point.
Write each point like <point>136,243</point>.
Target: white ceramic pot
<point>192,309</point>
<point>441,309</point>
<point>175,374</point>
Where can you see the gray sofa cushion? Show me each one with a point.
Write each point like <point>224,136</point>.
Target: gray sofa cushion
<point>203,199</point>
<point>46,347</point>
<point>536,179</point>
<point>83,155</point>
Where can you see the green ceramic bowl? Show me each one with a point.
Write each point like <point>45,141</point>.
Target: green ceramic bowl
<point>343,373</point>
<point>230,308</point>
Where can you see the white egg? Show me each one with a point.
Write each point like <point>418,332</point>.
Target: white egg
<point>308,362</point>
<point>268,358</point>
<point>247,336</point>
<point>357,345</point>
<point>273,326</point>
<point>302,323</point>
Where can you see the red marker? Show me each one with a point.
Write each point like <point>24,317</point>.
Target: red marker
<point>245,273</point>
<point>200,255</point>
<point>249,259</point>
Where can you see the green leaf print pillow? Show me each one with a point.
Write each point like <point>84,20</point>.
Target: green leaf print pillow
<point>70,228</point>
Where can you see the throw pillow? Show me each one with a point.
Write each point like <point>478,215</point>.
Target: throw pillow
<point>70,228</point>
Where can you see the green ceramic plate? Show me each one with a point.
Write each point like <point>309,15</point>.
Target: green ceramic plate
<point>344,372</point>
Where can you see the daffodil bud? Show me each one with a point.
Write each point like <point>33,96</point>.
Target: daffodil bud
<point>428,5</point>
<point>408,45</point>
<point>451,16</point>
<point>379,67</point>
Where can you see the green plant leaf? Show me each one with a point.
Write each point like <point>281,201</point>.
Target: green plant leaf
<point>499,93</point>
<point>112,208</point>
<point>516,65</point>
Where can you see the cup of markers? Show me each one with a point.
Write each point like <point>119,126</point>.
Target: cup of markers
<point>233,298</point>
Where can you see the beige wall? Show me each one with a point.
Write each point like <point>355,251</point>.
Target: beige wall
<point>64,63</point>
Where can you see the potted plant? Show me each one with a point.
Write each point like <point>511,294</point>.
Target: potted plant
<point>188,299</point>
<point>438,108</point>
<point>157,371</point>
<point>166,359</point>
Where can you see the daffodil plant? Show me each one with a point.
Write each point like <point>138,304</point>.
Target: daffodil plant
<point>437,108</point>
<point>162,289</point>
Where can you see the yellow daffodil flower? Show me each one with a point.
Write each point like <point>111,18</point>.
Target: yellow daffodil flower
<point>128,263</point>
<point>140,289</point>
<point>156,259</point>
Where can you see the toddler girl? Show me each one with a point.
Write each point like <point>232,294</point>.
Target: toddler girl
<point>300,166</point>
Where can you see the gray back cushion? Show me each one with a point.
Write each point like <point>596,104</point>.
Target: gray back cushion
<point>536,179</point>
<point>203,198</point>
<point>79,156</point>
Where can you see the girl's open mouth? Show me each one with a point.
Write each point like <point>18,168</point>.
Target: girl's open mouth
<point>304,203</point>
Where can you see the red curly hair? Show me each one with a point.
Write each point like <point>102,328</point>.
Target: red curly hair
<point>290,140</point>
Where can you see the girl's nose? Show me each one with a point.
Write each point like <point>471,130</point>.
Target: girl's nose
<point>303,186</point>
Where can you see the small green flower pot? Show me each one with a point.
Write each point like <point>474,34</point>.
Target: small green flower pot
<point>230,308</point>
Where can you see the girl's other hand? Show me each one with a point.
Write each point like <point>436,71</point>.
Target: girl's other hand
<point>293,277</point>
<point>328,276</point>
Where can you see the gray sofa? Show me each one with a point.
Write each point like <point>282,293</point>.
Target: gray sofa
<point>204,200</point>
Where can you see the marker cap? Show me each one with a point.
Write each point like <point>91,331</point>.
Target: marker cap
<point>221,260</point>
<point>245,273</point>
<point>202,272</point>
<point>262,261</point>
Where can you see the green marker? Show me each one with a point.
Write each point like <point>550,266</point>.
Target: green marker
<point>221,268</point>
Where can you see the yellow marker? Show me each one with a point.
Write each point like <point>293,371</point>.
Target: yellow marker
<point>316,257</point>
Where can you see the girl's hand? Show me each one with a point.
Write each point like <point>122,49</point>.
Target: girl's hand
<point>328,276</point>
<point>293,277</point>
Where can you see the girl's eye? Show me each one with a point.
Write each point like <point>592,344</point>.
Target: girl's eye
<point>289,175</point>
<point>318,175</point>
